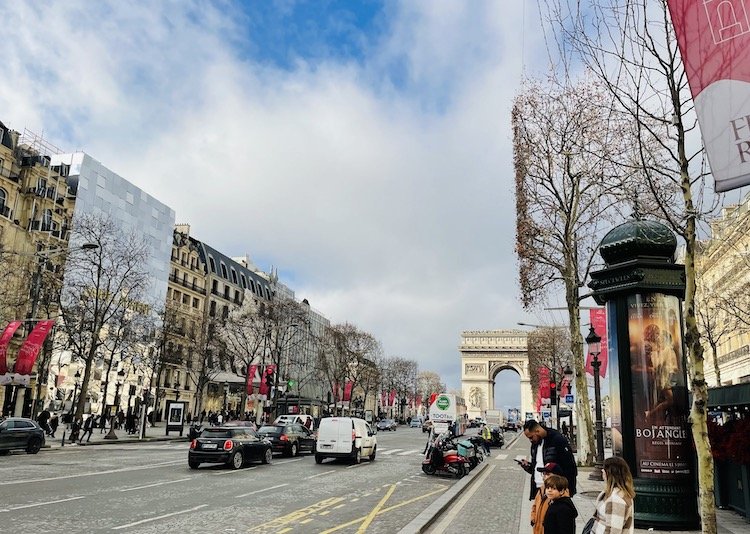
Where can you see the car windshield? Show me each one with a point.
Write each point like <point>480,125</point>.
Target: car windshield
<point>216,433</point>
<point>271,430</point>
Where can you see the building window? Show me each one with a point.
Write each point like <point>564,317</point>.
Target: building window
<point>195,302</point>
<point>234,276</point>
<point>225,312</point>
<point>47,221</point>
<point>224,271</point>
<point>244,282</point>
<point>212,309</point>
<point>212,263</point>
<point>3,200</point>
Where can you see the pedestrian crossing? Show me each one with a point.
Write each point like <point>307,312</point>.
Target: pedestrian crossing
<point>399,452</point>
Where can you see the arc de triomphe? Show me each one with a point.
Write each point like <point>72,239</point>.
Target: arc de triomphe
<point>484,353</point>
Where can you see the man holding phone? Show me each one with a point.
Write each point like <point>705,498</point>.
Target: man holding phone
<point>548,445</point>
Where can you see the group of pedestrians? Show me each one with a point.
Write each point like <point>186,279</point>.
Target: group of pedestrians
<point>49,422</point>
<point>553,482</point>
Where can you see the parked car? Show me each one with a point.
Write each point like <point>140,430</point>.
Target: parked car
<point>234,446</point>
<point>387,424</point>
<point>345,437</point>
<point>289,440</point>
<point>20,433</point>
<point>427,426</point>
<point>303,419</point>
<point>415,423</point>
<point>498,440</point>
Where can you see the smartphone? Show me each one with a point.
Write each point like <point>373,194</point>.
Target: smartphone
<point>519,462</point>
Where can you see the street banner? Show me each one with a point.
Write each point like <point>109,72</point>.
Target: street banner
<point>4,341</point>
<point>598,319</point>
<point>383,395</point>
<point>30,348</point>
<point>263,388</point>
<point>348,391</point>
<point>391,397</point>
<point>714,41</point>
<point>250,378</point>
<point>663,447</point>
<point>433,396</point>
<point>543,387</point>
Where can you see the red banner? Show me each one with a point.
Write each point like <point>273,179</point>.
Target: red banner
<point>250,378</point>
<point>264,389</point>
<point>543,387</point>
<point>30,348</point>
<point>598,319</point>
<point>433,396</point>
<point>714,40</point>
<point>348,390</point>
<point>4,341</point>
<point>419,401</point>
<point>391,397</point>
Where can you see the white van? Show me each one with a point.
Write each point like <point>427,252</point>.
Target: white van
<point>345,437</point>
<point>289,419</point>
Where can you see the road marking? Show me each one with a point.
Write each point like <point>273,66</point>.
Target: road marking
<point>306,521</point>
<point>407,453</point>
<point>326,512</point>
<point>339,506</point>
<point>366,523</point>
<point>394,507</point>
<point>354,466</point>
<point>502,457</point>
<point>453,511</point>
<point>94,473</point>
<point>284,530</point>
<point>320,474</point>
<point>22,506</point>
<point>388,451</point>
<point>260,491</point>
<point>235,471</point>
<point>156,484</point>
<point>354,499</point>
<point>281,462</point>
<point>297,515</point>
<point>150,519</point>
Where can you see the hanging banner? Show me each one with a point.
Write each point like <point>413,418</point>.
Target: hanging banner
<point>391,397</point>
<point>348,391</point>
<point>663,447</point>
<point>250,378</point>
<point>714,40</point>
<point>543,388</point>
<point>598,319</point>
<point>383,395</point>
<point>433,396</point>
<point>264,388</point>
<point>30,348</point>
<point>4,342</point>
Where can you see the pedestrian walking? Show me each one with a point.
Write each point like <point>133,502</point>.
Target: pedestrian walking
<point>614,505</point>
<point>548,445</point>
<point>486,434</point>
<point>43,419</point>
<point>561,513</point>
<point>88,428</point>
<point>54,422</point>
<point>541,502</point>
<point>75,428</point>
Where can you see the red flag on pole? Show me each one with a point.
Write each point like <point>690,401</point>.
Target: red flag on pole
<point>598,319</point>
<point>4,341</point>
<point>433,396</point>
<point>30,348</point>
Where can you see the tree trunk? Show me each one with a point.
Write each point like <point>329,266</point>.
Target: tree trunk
<point>714,350</point>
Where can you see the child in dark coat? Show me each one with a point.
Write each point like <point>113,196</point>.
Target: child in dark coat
<point>561,514</point>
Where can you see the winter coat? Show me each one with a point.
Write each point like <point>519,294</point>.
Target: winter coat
<point>561,517</point>
<point>614,514</point>
<point>556,448</point>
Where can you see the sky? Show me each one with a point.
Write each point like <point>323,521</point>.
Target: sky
<point>361,148</point>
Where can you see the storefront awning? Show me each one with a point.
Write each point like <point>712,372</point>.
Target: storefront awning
<point>727,396</point>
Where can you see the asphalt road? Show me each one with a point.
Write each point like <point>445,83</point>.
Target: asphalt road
<point>147,488</point>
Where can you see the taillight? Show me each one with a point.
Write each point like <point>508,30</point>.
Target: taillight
<point>283,437</point>
<point>228,445</point>
<point>193,444</point>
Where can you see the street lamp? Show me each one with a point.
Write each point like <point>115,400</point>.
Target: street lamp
<point>77,377</point>
<point>594,343</point>
<point>176,390</point>
<point>116,405</point>
<point>226,392</point>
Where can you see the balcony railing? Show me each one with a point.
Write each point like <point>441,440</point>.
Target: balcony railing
<point>190,285</point>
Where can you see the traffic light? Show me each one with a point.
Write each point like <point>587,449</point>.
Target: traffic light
<point>552,393</point>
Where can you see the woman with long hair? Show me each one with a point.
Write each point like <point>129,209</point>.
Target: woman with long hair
<point>614,505</point>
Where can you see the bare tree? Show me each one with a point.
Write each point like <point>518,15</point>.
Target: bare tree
<point>98,286</point>
<point>429,382</point>
<point>548,348</point>
<point>400,375</point>
<point>565,149</point>
<point>631,49</point>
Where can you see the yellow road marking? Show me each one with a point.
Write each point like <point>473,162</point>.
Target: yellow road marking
<point>339,506</point>
<point>366,523</point>
<point>284,530</point>
<point>297,515</point>
<point>325,513</point>
<point>305,521</point>
<point>399,505</point>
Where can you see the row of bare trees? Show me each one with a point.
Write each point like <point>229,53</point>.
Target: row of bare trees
<point>611,121</point>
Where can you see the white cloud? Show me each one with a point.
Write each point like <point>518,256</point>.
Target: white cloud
<point>391,204</point>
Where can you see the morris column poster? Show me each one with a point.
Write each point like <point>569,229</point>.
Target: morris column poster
<point>662,438</point>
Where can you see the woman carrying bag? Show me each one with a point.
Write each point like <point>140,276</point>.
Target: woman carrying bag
<point>614,505</point>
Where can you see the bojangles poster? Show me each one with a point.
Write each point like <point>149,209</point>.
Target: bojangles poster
<point>662,439</point>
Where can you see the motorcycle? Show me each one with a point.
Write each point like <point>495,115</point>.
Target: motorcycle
<point>471,449</point>
<point>442,457</point>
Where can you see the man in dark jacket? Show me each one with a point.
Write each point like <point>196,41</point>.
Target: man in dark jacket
<point>548,445</point>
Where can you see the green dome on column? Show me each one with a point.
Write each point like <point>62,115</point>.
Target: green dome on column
<point>638,239</point>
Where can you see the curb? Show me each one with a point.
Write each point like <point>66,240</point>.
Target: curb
<point>428,516</point>
<point>48,447</point>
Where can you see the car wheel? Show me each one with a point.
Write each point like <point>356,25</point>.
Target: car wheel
<point>193,464</point>
<point>372,456</point>
<point>293,452</point>
<point>267,456</point>
<point>4,452</point>
<point>34,445</point>
<point>318,459</point>
<point>236,460</point>
<point>357,458</point>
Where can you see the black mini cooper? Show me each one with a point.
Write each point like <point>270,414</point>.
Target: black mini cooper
<point>234,446</point>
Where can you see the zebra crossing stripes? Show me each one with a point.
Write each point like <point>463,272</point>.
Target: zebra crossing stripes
<point>399,452</point>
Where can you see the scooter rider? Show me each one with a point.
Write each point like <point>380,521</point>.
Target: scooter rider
<point>486,438</point>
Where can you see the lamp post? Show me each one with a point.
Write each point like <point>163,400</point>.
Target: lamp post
<point>115,405</point>
<point>226,393</point>
<point>77,377</point>
<point>594,343</point>
<point>176,390</point>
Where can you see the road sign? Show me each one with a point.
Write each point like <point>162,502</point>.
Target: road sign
<point>569,399</point>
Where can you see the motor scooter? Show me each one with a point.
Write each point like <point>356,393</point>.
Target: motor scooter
<point>471,449</point>
<point>442,458</point>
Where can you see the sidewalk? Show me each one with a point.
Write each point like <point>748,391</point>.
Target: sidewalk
<point>474,502</point>
<point>153,433</point>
